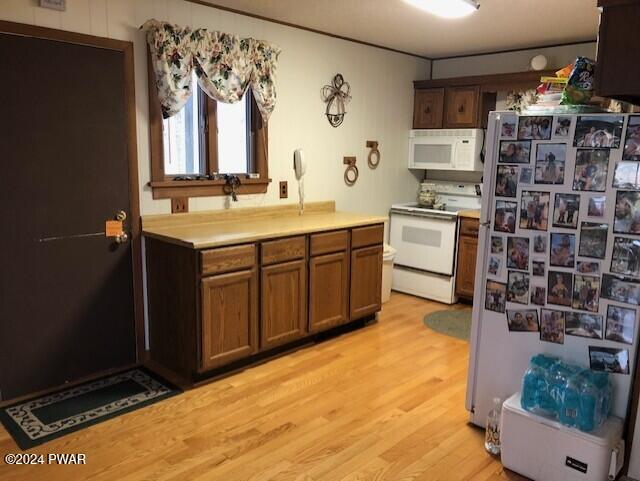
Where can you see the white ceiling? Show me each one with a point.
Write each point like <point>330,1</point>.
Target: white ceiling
<point>498,25</point>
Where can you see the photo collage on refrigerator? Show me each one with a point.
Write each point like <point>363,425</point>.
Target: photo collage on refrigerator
<point>565,240</point>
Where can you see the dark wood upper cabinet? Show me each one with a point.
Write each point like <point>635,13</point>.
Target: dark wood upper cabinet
<point>428,108</point>
<point>465,102</point>
<point>229,317</point>
<point>284,303</point>
<point>461,107</point>
<point>618,62</point>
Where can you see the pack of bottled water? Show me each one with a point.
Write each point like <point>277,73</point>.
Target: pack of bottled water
<point>575,396</point>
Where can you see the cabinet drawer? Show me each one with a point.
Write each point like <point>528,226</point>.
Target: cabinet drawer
<point>328,242</point>
<point>469,227</point>
<point>283,250</point>
<point>227,259</point>
<point>367,236</point>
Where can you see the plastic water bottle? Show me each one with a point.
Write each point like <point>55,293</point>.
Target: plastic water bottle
<point>535,383</point>
<point>590,406</point>
<point>571,403</point>
<point>492,434</point>
<point>530,381</point>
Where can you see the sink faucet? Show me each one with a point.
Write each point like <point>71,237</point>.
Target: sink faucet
<point>232,182</point>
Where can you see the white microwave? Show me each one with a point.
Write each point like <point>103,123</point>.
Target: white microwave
<point>446,149</point>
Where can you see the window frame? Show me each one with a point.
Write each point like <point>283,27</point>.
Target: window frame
<point>165,187</point>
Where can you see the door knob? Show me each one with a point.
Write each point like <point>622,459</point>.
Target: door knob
<point>122,238</point>
<point>121,216</point>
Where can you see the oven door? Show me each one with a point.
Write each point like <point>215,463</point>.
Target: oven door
<point>424,242</point>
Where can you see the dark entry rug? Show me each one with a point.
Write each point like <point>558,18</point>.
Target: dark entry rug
<point>454,323</point>
<point>51,416</point>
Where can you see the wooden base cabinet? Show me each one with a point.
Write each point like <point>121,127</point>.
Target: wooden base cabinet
<point>210,309</point>
<point>229,317</point>
<point>284,303</point>
<point>366,281</point>
<point>467,254</point>
<point>328,291</point>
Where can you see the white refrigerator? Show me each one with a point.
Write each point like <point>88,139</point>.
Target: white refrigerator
<point>558,267</point>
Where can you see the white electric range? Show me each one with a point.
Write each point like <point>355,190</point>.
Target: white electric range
<point>426,242</point>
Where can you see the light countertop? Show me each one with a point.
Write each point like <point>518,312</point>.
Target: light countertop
<point>470,213</point>
<point>250,224</point>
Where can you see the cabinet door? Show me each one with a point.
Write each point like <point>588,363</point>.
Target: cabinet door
<point>461,107</point>
<point>466,270</point>
<point>284,303</point>
<point>428,108</point>
<point>229,317</point>
<point>328,291</point>
<point>366,281</point>
<point>618,68</point>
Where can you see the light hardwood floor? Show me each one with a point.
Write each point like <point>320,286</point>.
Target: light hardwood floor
<point>383,403</point>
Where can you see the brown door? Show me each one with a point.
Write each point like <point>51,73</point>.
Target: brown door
<point>461,107</point>
<point>66,291</point>
<point>366,281</point>
<point>284,303</point>
<point>328,291</point>
<point>229,317</point>
<point>428,105</point>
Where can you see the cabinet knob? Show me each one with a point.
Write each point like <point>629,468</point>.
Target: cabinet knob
<point>461,109</point>
<point>427,110</point>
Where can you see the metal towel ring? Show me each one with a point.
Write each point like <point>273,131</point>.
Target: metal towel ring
<point>351,173</point>
<point>373,145</point>
<point>351,180</point>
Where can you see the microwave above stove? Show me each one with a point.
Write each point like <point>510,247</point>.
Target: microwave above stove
<point>446,149</point>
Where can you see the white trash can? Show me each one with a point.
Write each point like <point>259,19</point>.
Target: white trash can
<point>387,271</point>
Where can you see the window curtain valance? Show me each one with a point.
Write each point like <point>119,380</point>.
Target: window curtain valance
<point>226,65</point>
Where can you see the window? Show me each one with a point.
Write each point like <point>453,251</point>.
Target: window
<point>234,149</point>
<point>182,138</point>
<point>205,138</point>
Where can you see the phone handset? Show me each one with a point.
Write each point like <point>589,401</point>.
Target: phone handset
<point>300,167</point>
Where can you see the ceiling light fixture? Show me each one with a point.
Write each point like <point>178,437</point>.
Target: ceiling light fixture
<point>446,8</point>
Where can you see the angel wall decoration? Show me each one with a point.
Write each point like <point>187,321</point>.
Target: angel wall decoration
<point>336,96</point>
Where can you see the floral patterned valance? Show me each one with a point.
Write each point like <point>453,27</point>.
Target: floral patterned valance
<point>226,65</point>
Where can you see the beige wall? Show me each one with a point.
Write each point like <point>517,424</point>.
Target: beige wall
<point>381,108</point>
<point>511,61</point>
